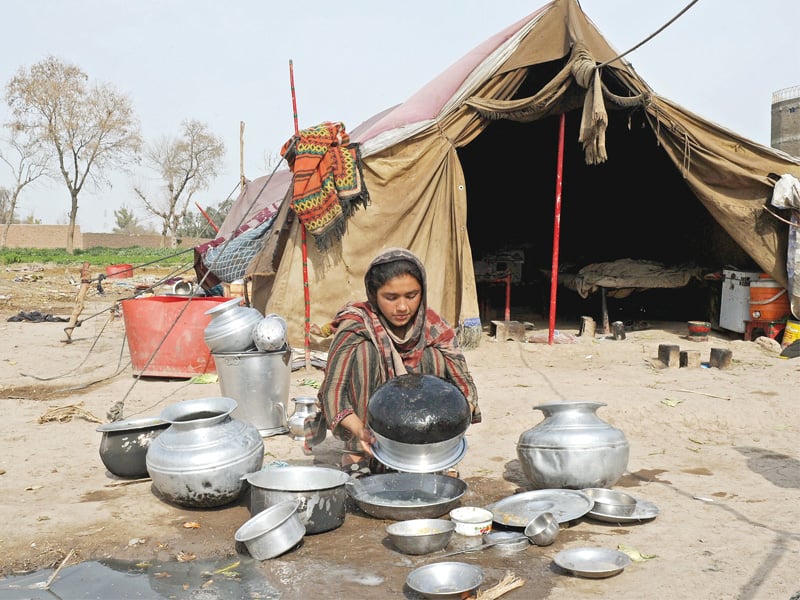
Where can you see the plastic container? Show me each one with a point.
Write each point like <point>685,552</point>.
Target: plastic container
<point>768,301</point>
<point>183,352</point>
<point>121,271</point>
<point>790,333</point>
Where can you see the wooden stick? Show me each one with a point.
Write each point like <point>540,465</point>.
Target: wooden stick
<point>704,394</point>
<point>86,280</point>
<point>129,482</point>
<point>58,569</point>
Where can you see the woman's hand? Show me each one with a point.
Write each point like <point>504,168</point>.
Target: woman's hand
<point>357,429</point>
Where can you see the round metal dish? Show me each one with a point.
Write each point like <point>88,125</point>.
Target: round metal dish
<point>644,511</point>
<point>419,458</point>
<point>594,563</point>
<point>401,496</point>
<point>520,509</point>
<point>507,542</point>
<point>446,580</point>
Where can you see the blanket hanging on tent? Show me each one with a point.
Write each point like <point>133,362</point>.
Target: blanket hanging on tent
<point>328,185</point>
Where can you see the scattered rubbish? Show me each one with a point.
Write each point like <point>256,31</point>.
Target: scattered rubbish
<point>670,402</point>
<point>64,414</point>
<point>634,554</point>
<point>703,499</point>
<point>36,316</point>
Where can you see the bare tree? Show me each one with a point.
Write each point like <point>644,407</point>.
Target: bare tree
<point>28,161</point>
<point>186,165</point>
<point>90,128</point>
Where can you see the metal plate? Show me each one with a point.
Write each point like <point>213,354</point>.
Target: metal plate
<point>644,511</point>
<point>594,563</point>
<point>430,467</point>
<point>518,510</point>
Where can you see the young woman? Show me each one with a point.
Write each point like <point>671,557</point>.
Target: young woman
<point>392,333</point>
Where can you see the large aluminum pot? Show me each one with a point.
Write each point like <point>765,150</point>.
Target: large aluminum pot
<point>401,496</point>
<point>320,491</point>
<point>199,460</point>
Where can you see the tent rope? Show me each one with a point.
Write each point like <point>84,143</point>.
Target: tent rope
<point>651,36</point>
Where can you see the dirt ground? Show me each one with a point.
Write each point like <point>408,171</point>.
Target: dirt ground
<point>714,449</point>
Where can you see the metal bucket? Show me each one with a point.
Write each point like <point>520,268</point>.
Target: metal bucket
<point>259,382</point>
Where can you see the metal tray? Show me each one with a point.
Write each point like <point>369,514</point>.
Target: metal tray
<point>519,509</point>
<point>644,511</point>
<point>594,563</point>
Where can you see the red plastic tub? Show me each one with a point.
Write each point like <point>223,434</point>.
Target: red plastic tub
<point>184,352</point>
<point>122,271</point>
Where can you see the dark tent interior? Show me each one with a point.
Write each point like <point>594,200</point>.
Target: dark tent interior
<point>635,205</point>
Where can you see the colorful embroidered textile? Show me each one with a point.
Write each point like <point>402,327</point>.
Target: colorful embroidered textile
<point>328,185</point>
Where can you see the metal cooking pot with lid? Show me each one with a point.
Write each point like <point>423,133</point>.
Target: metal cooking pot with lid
<point>418,409</point>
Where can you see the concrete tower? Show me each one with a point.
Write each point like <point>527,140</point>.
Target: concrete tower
<point>785,127</point>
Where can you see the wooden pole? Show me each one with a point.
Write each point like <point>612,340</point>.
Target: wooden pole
<point>86,280</point>
<point>304,245</point>
<point>241,155</point>
<point>556,230</point>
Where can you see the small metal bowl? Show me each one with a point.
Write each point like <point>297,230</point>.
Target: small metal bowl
<point>543,529</point>
<point>446,580</point>
<point>611,502</point>
<point>420,536</point>
<point>507,542</point>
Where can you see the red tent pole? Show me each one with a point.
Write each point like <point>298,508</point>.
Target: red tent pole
<point>556,229</point>
<point>205,214</point>
<point>304,246</point>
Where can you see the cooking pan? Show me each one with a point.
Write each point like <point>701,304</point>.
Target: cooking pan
<point>401,496</point>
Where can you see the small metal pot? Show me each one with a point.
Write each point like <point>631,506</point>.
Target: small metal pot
<point>319,490</point>
<point>123,447</point>
<point>273,531</point>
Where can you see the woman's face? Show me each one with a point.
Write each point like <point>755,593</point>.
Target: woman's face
<point>398,301</point>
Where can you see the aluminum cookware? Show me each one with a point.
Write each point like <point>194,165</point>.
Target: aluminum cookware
<point>401,496</point>
<point>273,531</point>
<point>320,492</point>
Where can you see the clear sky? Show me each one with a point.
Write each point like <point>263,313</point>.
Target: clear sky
<point>228,62</point>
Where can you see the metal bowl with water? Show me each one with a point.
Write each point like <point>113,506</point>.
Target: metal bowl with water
<point>401,496</point>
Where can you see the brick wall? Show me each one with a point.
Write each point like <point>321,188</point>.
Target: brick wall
<point>55,236</point>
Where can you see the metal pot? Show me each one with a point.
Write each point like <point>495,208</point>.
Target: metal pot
<point>273,531</point>
<point>123,447</point>
<point>259,382</point>
<point>320,491</point>
<point>200,458</point>
<point>572,448</point>
<point>231,327</point>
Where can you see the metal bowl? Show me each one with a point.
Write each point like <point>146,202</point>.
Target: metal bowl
<point>611,502</point>
<point>273,531</point>
<point>543,529</point>
<point>507,542</point>
<point>402,496</point>
<point>446,580</point>
<point>420,536</point>
<point>123,447</point>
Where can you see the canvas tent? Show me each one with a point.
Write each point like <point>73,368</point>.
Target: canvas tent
<point>466,167</point>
